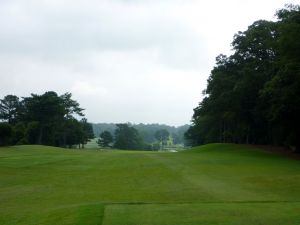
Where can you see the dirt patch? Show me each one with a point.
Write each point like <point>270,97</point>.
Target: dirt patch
<point>286,152</point>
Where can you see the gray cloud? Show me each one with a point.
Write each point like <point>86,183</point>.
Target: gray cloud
<point>123,60</point>
<point>64,32</point>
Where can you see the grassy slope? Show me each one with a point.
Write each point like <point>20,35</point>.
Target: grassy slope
<point>213,184</point>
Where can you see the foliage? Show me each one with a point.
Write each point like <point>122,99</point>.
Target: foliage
<point>5,133</point>
<point>146,131</point>
<point>45,119</point>
<point>127,137</point>
<point>87,129</point>
<point>9,108</point>
<point>252,96</point>
<point>162,136</point>
<point>105,139</point>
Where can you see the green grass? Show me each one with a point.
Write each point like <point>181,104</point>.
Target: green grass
<point>212,184</point>
<point>92,144</point>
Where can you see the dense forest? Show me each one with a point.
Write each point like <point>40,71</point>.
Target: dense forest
<point>252,96</point>
<point>46,119</point>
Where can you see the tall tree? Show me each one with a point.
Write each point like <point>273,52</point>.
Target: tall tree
<point>127,137</point>
<point>252,95</point>
<point>46,119</point>
<point>71,107</point>
<point>105,139</point>
<point>48,111</point>
<point>281,94</point>
<point>162,136</point>
<point>9,108</point>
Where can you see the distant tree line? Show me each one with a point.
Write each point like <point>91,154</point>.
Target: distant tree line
<point>127,136</point>
<point>146,131</point>
<point>46,119</point>
<point>253,95</point>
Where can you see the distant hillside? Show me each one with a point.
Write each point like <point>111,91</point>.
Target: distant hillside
<point>147,131</point>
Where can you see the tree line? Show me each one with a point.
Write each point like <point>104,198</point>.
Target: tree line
<point>47,119</point>
<point>126,136</point>
<point>146,131</point>
<point>253,95</point>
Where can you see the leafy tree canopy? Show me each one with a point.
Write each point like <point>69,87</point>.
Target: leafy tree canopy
<point>47,119</point>
<point>105,139</point>
<point>127,137</point>
<point>252,96</point>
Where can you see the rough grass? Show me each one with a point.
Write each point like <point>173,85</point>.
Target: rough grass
<point>212,184</point>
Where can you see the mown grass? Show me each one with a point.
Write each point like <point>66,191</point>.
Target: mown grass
<point>212,184</point>
<point>214,213</point>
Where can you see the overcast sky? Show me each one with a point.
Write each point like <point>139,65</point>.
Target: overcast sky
<point>123,60</point>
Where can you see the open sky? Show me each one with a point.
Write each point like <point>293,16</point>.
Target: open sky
<point>123,60</point>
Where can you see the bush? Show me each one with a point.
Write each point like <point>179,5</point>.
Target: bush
<point>5,134</point>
